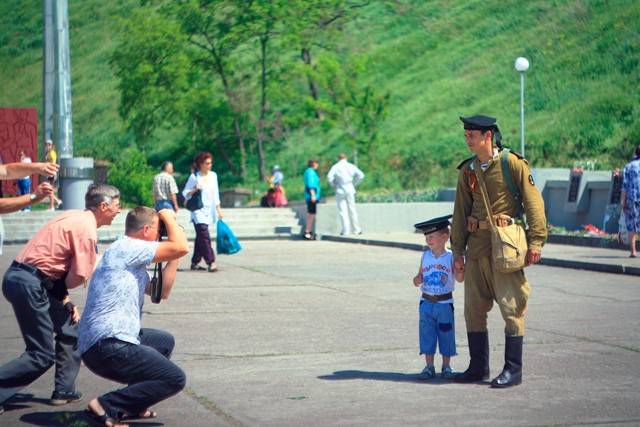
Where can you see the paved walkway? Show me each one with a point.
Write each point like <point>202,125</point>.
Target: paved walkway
<point>298,333</point>
<point>553,254</point>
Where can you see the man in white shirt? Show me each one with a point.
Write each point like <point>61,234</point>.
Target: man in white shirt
<point>110,337</point>
<point>344,176</point>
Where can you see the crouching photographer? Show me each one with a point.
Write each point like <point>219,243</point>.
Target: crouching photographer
<point>112,343</point>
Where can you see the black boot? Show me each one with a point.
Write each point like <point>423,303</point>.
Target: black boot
<point>478,369</point>
<point>512,372</point>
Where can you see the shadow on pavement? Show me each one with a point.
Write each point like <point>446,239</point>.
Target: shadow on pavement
<point>380,376</point>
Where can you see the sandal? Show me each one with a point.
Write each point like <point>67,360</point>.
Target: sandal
<point>146,415</point>
<point>104,419</point>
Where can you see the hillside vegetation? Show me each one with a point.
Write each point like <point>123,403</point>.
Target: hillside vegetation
<point>414,66</point>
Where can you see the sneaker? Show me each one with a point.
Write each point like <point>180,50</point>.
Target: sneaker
<point>1,410</point>
<point>447,373</point>
<point>63,397</point>
<point>212,268</point>
<point>428,372</point>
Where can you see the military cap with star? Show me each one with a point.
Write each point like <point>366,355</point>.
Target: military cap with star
<point>434,224</point>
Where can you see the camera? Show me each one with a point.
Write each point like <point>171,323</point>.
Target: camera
<point>162,230</point>
<point>50,179</point>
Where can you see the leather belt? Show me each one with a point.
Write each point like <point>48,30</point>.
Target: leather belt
<point>500,222</point>
<point>45,280</point>
<point>437,298</point>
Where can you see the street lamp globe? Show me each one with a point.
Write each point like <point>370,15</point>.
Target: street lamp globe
<point>522,64</point>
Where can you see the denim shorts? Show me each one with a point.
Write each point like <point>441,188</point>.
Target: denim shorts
<point>437,327</point>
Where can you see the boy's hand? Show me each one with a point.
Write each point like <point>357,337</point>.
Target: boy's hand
<point>417,280</point>
<point>458,264</point>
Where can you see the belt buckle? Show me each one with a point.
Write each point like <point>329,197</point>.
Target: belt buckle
<point>431,298</point>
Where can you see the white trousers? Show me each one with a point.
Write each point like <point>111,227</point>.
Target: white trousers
<point>348,213</point>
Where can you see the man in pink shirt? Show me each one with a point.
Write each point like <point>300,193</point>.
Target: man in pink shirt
<point>61,256</point>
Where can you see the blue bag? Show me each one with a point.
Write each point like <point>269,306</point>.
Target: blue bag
<point>226,241</point>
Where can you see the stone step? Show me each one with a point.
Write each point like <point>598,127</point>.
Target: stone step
<point>245,223</point>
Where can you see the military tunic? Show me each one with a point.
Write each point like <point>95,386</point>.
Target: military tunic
<point>484,284</point>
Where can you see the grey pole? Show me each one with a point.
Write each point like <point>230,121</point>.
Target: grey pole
<point>522,65</point>
<point>76,173</point>
<point>48,77</point>
<point>62,131</point>
<point>522,113</point>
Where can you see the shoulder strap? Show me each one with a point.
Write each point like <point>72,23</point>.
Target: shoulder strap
<point>508,177</point>
<point>511,184</point>
<point>485,198</point>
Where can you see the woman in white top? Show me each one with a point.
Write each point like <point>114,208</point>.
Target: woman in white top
<point>205,180</point>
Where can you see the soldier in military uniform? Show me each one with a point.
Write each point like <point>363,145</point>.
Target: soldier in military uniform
<point>471,247</point>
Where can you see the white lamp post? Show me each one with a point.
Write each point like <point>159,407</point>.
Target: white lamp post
<point>522,65</point>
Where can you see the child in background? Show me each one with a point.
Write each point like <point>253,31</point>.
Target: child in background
<point>436,279</point>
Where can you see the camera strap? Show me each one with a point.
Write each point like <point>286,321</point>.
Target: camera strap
<point>156,280</point>
<point>156,284</point>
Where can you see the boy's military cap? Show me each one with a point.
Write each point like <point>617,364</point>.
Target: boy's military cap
<point>434,224</point>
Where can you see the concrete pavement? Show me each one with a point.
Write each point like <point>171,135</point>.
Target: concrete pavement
<point>324,333</point>
<point>591,258</point>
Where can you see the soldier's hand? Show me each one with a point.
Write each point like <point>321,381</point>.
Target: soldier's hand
<point>472,224</point>
<point>533,256</point>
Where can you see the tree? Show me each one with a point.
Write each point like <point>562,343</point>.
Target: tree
<point>150,66</point>
<point>239,61</point>
<point>360,109</point>
<point>321,27</point>
<point>215,30</point>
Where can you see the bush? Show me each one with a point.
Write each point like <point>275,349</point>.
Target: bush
<point>401,197</point>
<point>133,177</point>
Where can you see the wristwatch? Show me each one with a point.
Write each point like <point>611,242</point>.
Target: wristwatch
<point>32,196</point>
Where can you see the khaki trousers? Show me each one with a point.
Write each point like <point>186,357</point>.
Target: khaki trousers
<point>483,285</point>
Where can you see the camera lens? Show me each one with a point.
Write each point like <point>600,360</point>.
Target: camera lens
<point>163,229</point>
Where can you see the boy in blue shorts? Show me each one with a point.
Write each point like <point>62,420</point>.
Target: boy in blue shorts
<point>436,279</point>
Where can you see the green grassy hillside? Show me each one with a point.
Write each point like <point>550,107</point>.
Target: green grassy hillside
<point>439,60</point>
